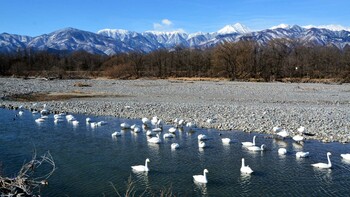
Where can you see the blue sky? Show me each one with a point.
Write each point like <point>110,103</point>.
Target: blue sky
<point>36,17</point>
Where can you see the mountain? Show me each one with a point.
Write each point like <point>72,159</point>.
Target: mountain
<point>236,28</point>
<point>113,41</point>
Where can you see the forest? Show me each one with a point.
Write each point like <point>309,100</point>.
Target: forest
<point>279,60</point>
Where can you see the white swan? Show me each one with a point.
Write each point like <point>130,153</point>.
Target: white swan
<point>249,143</point>
<point>58,120</point>
<point>124,125</point>
<point>88,120</point>
<point>202,137</point>
<point>100,123</point>
<point>276,129</point>
<point>245,168</point>
<point>21,113</point>
<point>324,165</point>
<point>172,130</point>
<point>301,129</point>
<point>282,151</point>
<point>158,129</point>
<point>116,133</point>
<point>201,144</point>
<point>256,148</point>
<point>301,154</point>
<point>38,120</point>
<point>175,146</point>
<point>75,122</point>
<point>141,168</point>
<point>284,133</point>
<point>298,138</point>
<point>226,140</point>
<point>154,120</point>
<point>150,133</point>
<point>137,129</point>
<point>201,178</point>
<point>168,135</point>
<point>155,140</point>
<point>345,156</point>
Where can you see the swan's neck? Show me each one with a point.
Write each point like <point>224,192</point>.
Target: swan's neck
<point>243,162</point>
<point>254,140</point>
<point>329,161</point>
<point>146,164</point>
<point>205,175</point>
<point>262,147</point>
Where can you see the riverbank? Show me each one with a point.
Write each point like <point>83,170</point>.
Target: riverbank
<point>324,109</point>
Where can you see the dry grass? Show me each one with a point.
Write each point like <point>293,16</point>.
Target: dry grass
<point>57,96</point>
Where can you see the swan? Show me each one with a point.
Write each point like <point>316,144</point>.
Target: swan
<point>21,113</point>
<point>150,133</point>
<point>256,148</point>
<point>191,125</point>
<point>57,120</point>
<point>202,137</point>
<point>115,134</point>
<point>226,140</point>
<point>155,140</point>
<point>249,143</point>
<point>345,156</point>
<point>141,168</point>
<point>282,151</point>
<point>100,123</point>
<point>301,129</point>
<point>180,123</point>
<point>172,130</point>
<point>301,154</point>
<point>154,120</point>
<point>201,178</point>
<point>175,146</point>
<point>168,135</point>
<point>146,122</point>
<point>158,129</point>
<point>124,125</point>
<point>94,125</point>
<point>75,122</point>
<point>245,168</point>
<point>39,120</point>
<point>137,129</point>
<point>57,116</point>
<point>201,144</point>
<point>276,129</point>
<point>284,133</point>
<point>88,120</point>
<point>70,117</point>
<point>324,165</point>
<point>298,138</point>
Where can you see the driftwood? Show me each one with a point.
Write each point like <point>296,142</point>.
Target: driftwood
<point>27,182</point>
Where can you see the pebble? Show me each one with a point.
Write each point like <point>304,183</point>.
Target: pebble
<point>245,106</point>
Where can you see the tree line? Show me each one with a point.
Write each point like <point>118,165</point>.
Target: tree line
<point>280,59</point>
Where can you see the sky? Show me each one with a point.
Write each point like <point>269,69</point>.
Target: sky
<point>37,17</point>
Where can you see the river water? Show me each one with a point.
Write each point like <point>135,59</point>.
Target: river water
<point>92,163</point>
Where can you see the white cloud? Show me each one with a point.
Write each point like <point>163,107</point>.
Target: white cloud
<point>166,26</point>
<point>167,22</point>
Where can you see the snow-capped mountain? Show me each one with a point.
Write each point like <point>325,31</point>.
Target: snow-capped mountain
<point>236,28</point>
<point>113,41</point>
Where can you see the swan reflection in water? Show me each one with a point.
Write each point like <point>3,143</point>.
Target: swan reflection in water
<point>202,187</point>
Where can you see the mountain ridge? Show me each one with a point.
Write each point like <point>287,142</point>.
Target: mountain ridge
<point>113,41</point>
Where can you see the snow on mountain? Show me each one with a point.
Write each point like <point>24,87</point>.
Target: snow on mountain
<point>329,27</point>
<point>282,26</point>
<point>236,28</point>
<point>113,41</point>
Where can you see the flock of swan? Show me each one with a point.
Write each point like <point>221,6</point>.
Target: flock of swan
<point>154,126</point>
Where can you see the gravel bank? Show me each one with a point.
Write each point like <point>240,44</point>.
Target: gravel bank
<point>253,107</point>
